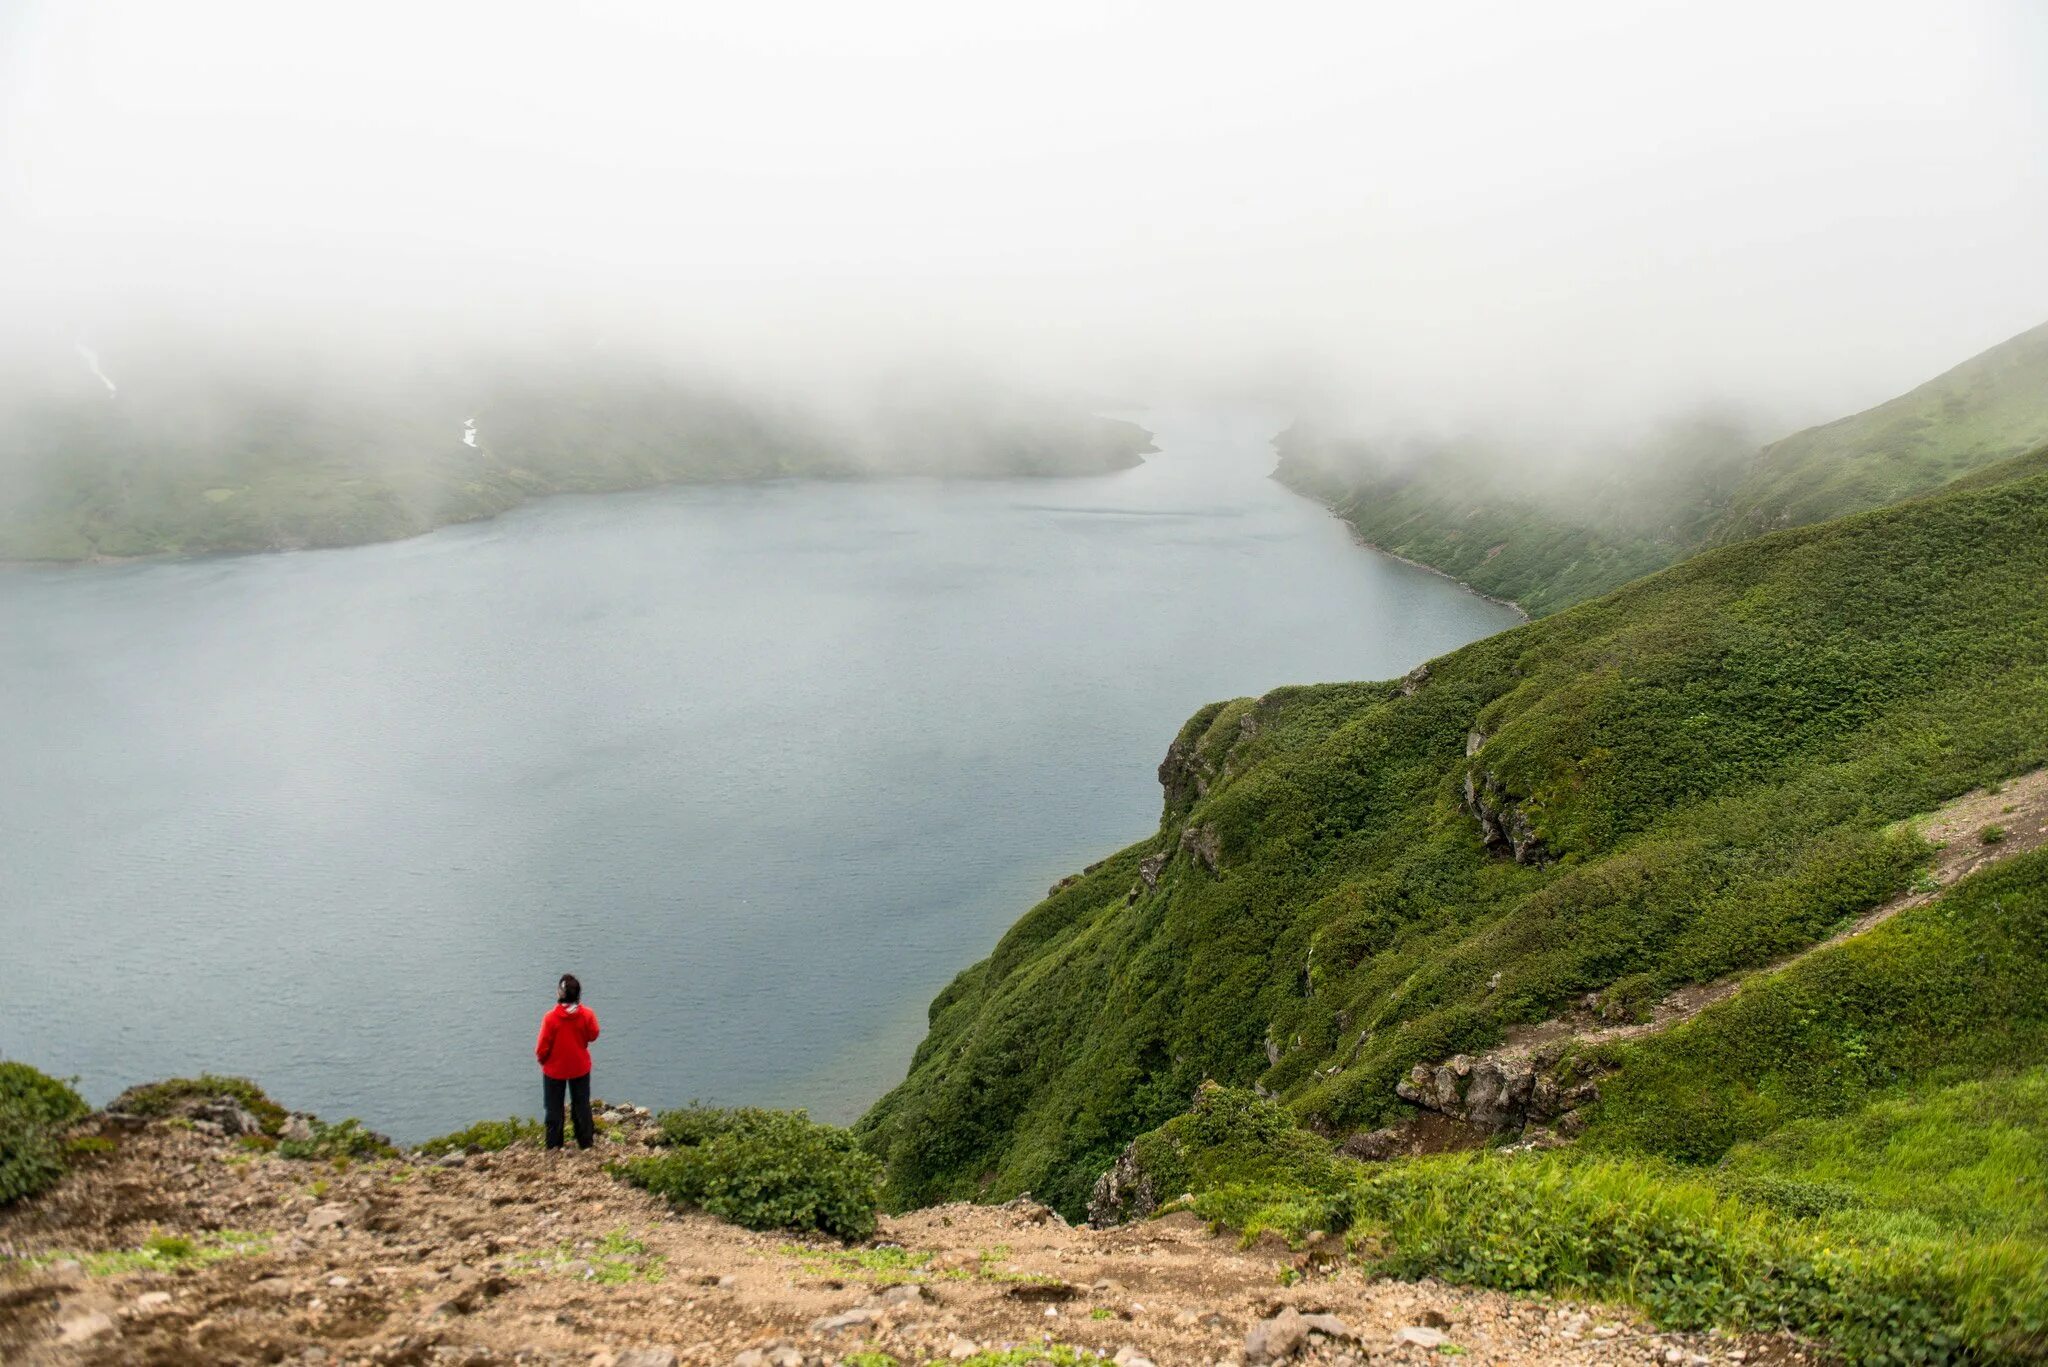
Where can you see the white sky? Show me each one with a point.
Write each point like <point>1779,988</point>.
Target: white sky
<point>1444,207</point>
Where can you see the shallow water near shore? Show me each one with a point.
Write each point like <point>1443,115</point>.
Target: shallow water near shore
<point>766,765</point>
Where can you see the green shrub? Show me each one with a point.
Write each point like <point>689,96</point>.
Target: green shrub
<point>1239,1152</point>
<point>766,1170</point>
<point>35,1109</point>
<point>1991,835</point>
<point>346,1139</point>
<point>486,1136</point>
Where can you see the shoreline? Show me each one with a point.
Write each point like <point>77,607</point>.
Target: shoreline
<point>101,559</point>
<point>1359,538</point>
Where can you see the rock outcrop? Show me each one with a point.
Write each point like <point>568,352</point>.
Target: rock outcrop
<point>1506,827</point>
<point>1497,1093</point>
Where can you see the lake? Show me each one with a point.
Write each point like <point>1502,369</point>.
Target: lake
<point>765,765</point>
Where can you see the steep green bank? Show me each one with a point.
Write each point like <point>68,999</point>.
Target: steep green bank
<point>1486,518</point>
<point>1544,543</point>
<point>1688,777</point>
<point>186,464</point>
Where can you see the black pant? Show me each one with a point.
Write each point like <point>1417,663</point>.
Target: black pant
<point>579,1109</point>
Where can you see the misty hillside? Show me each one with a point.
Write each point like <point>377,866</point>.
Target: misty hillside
<point>189,461</point>
<point>1991,407</point>
<point>1684,780</point>
<point>1547,537</point>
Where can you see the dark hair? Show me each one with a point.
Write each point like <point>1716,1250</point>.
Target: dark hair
<point>570,991</point>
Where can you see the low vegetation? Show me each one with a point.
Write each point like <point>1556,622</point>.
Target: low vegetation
<point>163,1253</point>
<point>173,1095</point>
<point>35,1110</point>
<point>763,1170</point>
<point>486,1136</point>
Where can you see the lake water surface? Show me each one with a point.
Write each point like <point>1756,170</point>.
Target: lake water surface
<point>765,765</point>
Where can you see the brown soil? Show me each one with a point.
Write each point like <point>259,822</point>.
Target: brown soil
<point>489,1262</point>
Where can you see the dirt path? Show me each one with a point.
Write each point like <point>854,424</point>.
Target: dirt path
<point>516,1257</point>
<point>2018,808</point>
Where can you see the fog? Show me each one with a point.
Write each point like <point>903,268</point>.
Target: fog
<point>1554,217</point>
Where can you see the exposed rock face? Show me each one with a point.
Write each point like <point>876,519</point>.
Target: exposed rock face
<point>1183,774</point>
<point>1501,819</point>
<point>1205,845</point>
<point>1493,1094</point>
<point>1148,874</point>
<point>1413,680</point>
<point>1123,1193</point>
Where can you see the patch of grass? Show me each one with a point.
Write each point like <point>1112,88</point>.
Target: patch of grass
<point>163,1253</point>
<point>766,1170</point>
<point>339,1143</point>
<point>889,1264</point>
<point>613,1260</point>
<point>1991,835</point>
<point>1037,1355</point>
<point>90,1144</point>
<point>486,1136</point>
<point>868,1357</point>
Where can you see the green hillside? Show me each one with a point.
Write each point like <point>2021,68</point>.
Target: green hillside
<point>1481,517</point>
<point>1990,408</point>
<point>1694,775</point>
<point>201,463</point>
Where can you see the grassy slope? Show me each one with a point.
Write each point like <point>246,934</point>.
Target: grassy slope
<point>1988,409</point>
<point>1470,518</point>
<point>258,467</point>
<point>1714,755</point>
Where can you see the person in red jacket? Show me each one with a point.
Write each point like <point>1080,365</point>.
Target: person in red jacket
<point>566,1034</point>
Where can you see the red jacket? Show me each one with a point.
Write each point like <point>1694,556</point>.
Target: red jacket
<point>566,1034</point>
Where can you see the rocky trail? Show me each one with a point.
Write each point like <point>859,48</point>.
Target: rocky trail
<point>178,1246</point>
<point>1470,1098</point>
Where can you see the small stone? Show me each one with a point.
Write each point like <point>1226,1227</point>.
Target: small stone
<point>85,1327</point>
<point>849,1319</point>
<point>1128,1356</point>
<point>337,1280</point>
<point>1275,1339</point>
<point>728,1282</point>
<point>152,1300</point>
<point>327,1217</point>
<point>750,1357</point>
<point>68,1272</point>
<point>646,1357</point>
<point>785,1356</point>
<point>1606,1331</point>
<point>1674,1355</point>
<point>960,1349</point>
<point>1422,1336</point>
<point>910,1293</point>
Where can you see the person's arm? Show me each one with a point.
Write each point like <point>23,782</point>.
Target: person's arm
<point>591,1037</point>
<point>545,1045</point>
